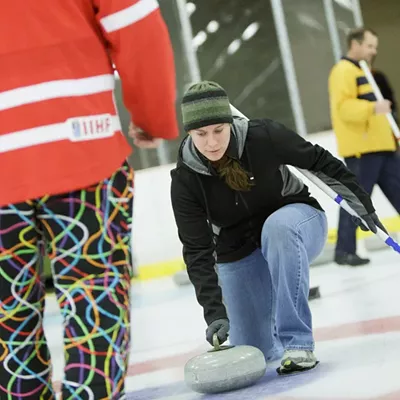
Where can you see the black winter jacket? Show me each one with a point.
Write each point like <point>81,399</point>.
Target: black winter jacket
<point>217,224</point>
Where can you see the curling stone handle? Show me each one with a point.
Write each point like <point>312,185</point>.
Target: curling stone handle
<point>216,342</point>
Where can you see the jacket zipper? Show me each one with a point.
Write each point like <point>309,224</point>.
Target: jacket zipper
<point>238,194</point>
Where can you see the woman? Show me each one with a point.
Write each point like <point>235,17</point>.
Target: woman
<point>250,227</point>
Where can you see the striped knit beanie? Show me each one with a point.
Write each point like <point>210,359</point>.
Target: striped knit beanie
<point>205,103</point>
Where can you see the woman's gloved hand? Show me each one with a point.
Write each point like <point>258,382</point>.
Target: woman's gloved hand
<point>372,221</point>
<point>221,328</point>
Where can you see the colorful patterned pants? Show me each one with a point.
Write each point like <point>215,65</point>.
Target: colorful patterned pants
<point>87,236</point>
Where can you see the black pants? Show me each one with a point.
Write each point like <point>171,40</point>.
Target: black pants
<point>370,169</point>
<point>87,234</point>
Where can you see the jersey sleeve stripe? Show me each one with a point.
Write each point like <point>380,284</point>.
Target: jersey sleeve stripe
<point>129,16</point>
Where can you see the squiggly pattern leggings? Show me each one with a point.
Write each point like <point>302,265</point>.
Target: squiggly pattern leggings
<point>87,235</point>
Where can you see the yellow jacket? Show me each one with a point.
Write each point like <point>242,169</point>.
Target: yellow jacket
<point>357,128</point>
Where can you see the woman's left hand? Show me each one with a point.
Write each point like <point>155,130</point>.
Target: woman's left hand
<point>372,222</point>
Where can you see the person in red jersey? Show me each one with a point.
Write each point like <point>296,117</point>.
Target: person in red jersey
<point>65,180</point>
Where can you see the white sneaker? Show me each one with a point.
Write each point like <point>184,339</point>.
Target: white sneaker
<point>297,361</point>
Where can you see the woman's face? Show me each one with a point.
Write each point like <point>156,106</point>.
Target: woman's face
<point>212,140</point>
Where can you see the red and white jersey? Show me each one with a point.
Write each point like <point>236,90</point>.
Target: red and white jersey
<point>59,128</point>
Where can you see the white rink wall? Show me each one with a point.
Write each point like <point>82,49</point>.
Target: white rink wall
<point>155,238</point>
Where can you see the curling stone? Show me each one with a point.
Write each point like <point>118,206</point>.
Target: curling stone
<point>327,255</point>
<point>181,278</point>
<point>225,368</point>
<point>374,243</point>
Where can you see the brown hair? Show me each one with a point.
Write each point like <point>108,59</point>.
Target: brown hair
<point>233,173</point>
<point>358,34</point>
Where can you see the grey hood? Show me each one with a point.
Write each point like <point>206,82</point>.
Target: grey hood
<point>190,157</point>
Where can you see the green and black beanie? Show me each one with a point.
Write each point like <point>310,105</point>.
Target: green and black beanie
<point>205,103</point>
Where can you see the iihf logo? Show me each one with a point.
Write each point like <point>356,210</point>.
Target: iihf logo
<point>91,127</point>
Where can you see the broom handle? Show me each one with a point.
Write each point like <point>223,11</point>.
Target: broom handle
<point>337,198</point>
<point>379,97</point>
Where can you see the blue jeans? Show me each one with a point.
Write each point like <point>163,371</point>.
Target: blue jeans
<point>266,293</point>
<point>370,169</point>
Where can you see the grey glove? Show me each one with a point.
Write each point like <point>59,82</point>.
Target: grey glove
<point>372,221</point>
<point>221,328</point>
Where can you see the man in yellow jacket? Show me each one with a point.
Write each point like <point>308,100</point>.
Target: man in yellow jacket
<point>364,137</point>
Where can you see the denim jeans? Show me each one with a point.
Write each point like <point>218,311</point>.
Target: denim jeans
<point>266,293</point>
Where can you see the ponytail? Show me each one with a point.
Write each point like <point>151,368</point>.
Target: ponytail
<point>233,173</point>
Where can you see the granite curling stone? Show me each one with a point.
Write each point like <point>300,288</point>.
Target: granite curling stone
<point>225,368</point>
<point>181,278</point>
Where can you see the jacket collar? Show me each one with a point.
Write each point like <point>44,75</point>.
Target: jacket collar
<point>356,63</point>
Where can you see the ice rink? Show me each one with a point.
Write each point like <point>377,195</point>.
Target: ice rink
<point>357,330</point>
